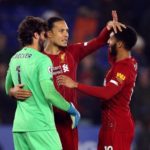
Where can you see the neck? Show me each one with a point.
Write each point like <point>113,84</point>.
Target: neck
<point>123,55</point>
<point>33,46</point>
<point>51,49</point>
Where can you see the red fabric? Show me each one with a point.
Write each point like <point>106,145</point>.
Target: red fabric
<point>66,63</point>
<point>69,137</point>
<point>116,95</point>
<point>115,140</point>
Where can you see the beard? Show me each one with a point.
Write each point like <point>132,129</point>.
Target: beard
<point>113,50</point>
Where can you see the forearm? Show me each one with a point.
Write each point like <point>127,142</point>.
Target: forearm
<point>103,36</point>
<point>92,45</point>
<point>105,93</point>
<point>53,96</point>
<point>100,40</point>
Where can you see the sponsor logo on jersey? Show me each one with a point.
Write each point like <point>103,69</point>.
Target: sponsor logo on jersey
<point>50,70</point>
<point>59,69</point>
<point>120,77</point>
<point>65,68</point>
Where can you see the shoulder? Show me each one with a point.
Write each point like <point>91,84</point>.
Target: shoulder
<point>72,47</point>
<point>44,58</point>
<point>126,62</point>
<point>128,67</point>
<point>130,64</point>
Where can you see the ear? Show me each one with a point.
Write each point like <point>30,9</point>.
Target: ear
<point>49,34</point>
<point>119,44</point>
<point>36,35</point>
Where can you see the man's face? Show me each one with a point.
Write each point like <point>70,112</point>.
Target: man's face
<point>41,41</point>
<point>59,34</point>
<point>112,45</point>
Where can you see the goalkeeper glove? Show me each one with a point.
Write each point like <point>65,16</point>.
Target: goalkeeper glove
<point>74,114</point>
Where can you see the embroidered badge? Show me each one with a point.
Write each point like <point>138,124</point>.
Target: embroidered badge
<point>62,58</point>
<point>120,77</point>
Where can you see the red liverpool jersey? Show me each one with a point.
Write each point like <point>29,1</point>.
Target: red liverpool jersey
<point>116,95</point>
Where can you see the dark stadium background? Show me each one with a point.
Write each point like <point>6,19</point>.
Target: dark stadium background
<point>85,19</point>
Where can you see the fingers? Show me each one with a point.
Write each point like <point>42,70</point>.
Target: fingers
<point>61,80</point>
<point>122,25</point>
<point>114,15</point>
<point>23,94</point>
<point>116,26</point>
<point>20,85</point>
<point>115,20</point>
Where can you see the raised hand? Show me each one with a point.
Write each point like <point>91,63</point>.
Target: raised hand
<point>114,24</point>
<point>114,15</point>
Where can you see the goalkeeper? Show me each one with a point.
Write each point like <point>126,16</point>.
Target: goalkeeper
<point>34,126</point>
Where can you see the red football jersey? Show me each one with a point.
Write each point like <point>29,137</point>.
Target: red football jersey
<point>66,62</point>
<point>116,95</point>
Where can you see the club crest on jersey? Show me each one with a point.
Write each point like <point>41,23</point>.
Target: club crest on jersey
<point>62,58</point>
<point>120,77</point>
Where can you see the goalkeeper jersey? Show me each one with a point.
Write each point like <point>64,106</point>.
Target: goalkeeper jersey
<point>31,67</point>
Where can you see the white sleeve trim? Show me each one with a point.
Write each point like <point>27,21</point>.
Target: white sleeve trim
<point>85,43</point>
<point>114,82</point>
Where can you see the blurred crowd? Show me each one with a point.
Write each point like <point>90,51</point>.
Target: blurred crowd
<point>85,20</point>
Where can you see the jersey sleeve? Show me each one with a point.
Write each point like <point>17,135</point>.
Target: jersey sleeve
<point>47,86</point>
<point>8,82</point>
<point>45,69</point>
<point>113,86</point>
<point>80,50</point>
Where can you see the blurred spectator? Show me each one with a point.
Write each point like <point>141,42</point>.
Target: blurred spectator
<point>86,24</point>
<point>138,52</point>
<point>145,30</point>
<point>102,58</point>
<point>89,73</point>
<point>50,13</point>
<point>141,109</point>
<point>142,96</point>
<point>7,106</point>
<point>3,48</point>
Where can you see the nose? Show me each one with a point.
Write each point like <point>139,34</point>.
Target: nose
<point>66,34</point>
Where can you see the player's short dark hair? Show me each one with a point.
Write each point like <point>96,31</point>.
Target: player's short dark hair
<point>52,20</point>
<point>128,36</point>
<point>28,27</point>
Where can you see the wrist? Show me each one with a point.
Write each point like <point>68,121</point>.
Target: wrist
<point>10,92</point>
<point>107,26</point>
<point>76,84</point>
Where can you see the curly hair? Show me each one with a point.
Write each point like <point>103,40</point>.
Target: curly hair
<point>28,27</point>
<point>128,36</point>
